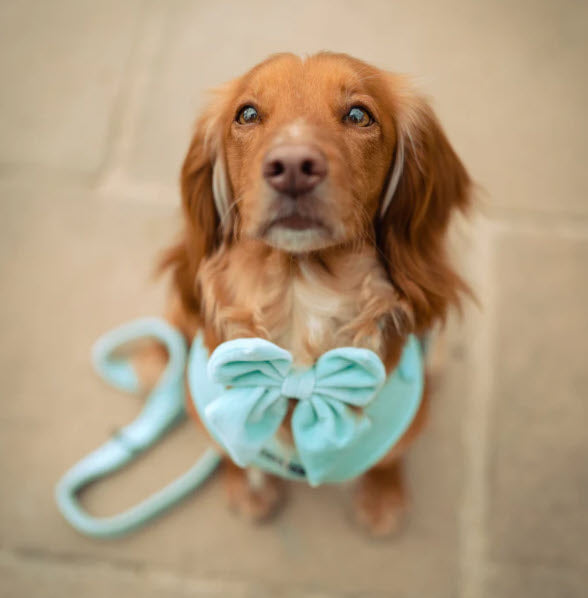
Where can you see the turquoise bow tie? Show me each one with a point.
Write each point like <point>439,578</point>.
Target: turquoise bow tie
<point>259,378</point>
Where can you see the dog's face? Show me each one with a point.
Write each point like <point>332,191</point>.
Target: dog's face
<point>307,146</point>
<point>307,154</point>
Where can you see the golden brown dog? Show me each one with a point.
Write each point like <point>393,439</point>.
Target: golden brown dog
<point>317,195</point>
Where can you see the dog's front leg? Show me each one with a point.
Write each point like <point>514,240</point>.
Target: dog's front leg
<point>381,498</point>
<point>251,492</point>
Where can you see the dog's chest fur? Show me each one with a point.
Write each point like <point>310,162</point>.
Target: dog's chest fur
<point>305,305</point>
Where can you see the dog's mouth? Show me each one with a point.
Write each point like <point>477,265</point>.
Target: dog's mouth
<point>294,219</point>
<point>297,233</point>
<point>297,221</point>
<point>297,228</point>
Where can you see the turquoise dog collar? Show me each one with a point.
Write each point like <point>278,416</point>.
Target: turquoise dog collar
<point>241,394</point>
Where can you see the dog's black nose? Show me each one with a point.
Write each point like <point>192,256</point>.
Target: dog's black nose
<point>294,169</point>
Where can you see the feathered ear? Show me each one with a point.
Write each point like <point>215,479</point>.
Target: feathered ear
<point>428,183</point>
<point>205,202</point>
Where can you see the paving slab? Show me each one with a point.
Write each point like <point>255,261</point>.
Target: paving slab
<point>37,578</point>
<point>62,66</point>
<point>538,581</point>
<point>538,474</point>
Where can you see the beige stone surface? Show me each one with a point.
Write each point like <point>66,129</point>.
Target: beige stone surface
<point>95,112</point>
<point>62,67</point>
<point>37,578</point>
<point>539,581</point>
<point>538,473</point>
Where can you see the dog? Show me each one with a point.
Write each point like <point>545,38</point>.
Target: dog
<point>317,195</point>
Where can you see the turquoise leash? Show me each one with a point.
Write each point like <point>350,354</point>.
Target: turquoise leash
<point>163,410</point>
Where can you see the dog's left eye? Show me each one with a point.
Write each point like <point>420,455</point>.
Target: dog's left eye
<point>359,117</point>
<point>247,115</point>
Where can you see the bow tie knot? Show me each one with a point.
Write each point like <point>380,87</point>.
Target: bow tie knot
<point>299,384</point>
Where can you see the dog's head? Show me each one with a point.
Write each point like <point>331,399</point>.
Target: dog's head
<point>328,151</point>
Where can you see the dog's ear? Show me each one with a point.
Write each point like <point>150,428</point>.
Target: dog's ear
<point>205,202</point>
<point>427,184</point>
<point>204,184</point>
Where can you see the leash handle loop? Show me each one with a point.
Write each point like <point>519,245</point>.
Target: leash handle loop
<point>163,409</point>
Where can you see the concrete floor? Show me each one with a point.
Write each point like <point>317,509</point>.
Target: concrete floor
<point>96,105</point>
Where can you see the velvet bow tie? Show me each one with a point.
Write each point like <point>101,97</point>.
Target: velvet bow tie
<point>259,378</point>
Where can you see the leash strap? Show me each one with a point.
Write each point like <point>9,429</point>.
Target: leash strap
<point>163,409</point>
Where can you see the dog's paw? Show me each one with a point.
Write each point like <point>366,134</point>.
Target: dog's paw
<point>253,494</point>
<point>380,504</point>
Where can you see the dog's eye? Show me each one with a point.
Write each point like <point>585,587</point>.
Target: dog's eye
<point>247,115</point>
<point>359,117</point>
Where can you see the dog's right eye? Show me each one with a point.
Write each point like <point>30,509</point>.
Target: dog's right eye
<point>247,115</point>
<point>359,117</point>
